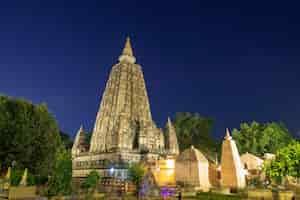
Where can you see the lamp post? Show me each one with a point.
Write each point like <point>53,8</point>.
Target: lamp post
<point>13,163</point>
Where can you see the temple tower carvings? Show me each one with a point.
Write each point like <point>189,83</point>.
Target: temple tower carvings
<point>124,120</point>
<point>124,130</point>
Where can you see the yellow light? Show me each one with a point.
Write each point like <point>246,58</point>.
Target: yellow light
<point>164,172</point>
<point>170,164</point>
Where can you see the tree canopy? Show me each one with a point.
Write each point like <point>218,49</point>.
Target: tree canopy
<point>88,137</point>
<point>91,181</point>
<point>29,136</point>
<point>193,129</point>
<point>286,163</point>
<point>66,139</point>
<point>259,138</point>
<point>60,179</point>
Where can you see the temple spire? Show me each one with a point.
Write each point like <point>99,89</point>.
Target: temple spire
<point>81,128</point>
<point>171,143</point>
<point>79,142</point>
<point>232,171</point>
<point>127,53</point>
<point>169,122</point>
<point>227,136</point>
<point>127,48</point>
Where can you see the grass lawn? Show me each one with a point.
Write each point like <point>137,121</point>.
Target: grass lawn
<point>214,196</point>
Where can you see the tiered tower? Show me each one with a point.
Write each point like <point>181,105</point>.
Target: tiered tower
<point>124,119</point>
<point>79,144</point>
<point>171,138</point>
<point>124,130</point>
<point>232,171</point>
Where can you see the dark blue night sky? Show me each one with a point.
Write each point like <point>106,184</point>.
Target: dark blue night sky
<point>234,62</point>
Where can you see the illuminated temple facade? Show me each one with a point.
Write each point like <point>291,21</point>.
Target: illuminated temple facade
<point>124,131</point>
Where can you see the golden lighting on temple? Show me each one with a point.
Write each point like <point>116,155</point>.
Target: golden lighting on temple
<point>170,164</point>
<point>164,172</point>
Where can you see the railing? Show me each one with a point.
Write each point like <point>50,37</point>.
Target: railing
<point>99,164</point>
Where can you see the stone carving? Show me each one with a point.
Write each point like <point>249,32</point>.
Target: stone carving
<point>124,111</point>
<point>124,130</point>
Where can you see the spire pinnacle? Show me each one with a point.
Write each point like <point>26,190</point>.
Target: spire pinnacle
<point>81,129</point>
<point>127,53</point>
<point>127,48</point>
<point>169,121</point>
<point>227,136</point>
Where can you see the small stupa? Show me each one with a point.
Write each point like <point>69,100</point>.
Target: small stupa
<point>192,168</point>
<point>24,178</point>
<point>232,172</point>
<point>8,173</point>
<point>7,179</point>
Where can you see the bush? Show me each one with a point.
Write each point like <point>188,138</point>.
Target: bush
<point>90,183</point>
<point>16,176</point>
<point>60,180</point>
<point>286,163</point>
<point>136,173</point>
<point>31,180</point>
<point>40,180</point>
<point>255,182</point>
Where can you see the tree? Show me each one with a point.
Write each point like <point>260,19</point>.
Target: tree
<point>29,136</point>
<point>90,183</point>
<point>88,137</point>
<point>16,176</point>
<point>60,179</point>
<point>67,141</point>
<point>193,129</point>
<point>136,173</point>
<point>258,138</point>
<point>286,162</point>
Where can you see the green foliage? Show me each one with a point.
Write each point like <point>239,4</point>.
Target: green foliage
<point>193,129</point>
<point>16,176</point>
<point>28,135</point>
<point>91,181</point>
<point>60,180</point>
<point>286,163</point>
<point>88,137</point>
<point>66,139</point>
<point>258,138</point>
<point>31,180</point>
<point>255,182</point>
<point>40,180</point>
<point>136,173</point>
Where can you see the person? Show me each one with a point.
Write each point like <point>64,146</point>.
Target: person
<point>179,195</point>
<point>120,193</point>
